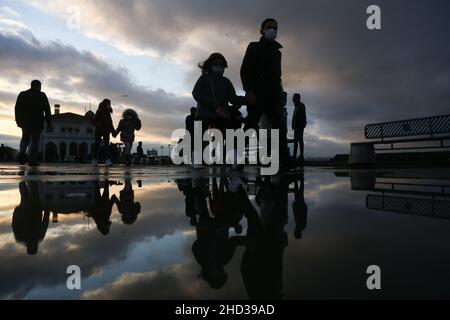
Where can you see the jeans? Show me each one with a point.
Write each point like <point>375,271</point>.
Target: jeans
<point>30,140</point>
<point>269,106</point>
<point>98,141</point>
<point>298,140</point>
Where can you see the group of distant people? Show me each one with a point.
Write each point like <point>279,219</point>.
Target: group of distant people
<point>33,109</point>
<point>218,104</point>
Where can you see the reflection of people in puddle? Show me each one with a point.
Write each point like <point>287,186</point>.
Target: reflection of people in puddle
<point>29,224</point>
<point>185,186</point>
<point>266,239</point>
<point>225,202</point>
<point>126,205</point>
<point>101,211</point>
<point>299,207</point>
<point>213,248</point>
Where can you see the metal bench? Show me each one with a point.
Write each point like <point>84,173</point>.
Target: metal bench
<point>387,135</point>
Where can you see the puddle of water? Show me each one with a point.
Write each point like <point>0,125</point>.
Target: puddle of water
<point>302,236</point>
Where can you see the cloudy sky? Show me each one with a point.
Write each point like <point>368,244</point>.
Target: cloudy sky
<point>143,54</point>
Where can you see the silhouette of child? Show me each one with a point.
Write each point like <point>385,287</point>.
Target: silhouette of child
<point>127,125</point>
<point>128,208</point>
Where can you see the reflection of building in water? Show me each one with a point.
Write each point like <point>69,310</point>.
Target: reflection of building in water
<point>67,197</point>
<point>408,195</point>
<point>70,139</point>
<point>152,153</point>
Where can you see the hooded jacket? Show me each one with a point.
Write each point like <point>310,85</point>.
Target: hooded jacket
<point>127,125</point>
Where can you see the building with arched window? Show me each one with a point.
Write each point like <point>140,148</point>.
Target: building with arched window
<point>70,139</point>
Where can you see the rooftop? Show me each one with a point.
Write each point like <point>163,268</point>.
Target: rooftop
<point>69,116</point>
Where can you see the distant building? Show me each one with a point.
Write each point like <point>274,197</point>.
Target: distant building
<point>152,153</point>
<point>71,138</point>
<point>7,153</point>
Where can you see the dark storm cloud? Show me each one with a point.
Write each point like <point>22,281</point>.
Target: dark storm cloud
<point>82,73</point>
<point>348,74</point>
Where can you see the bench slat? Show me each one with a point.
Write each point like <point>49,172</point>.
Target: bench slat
<point>429,126</point>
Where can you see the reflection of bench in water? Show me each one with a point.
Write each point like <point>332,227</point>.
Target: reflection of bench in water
<point>416,206</point>
<point>423,196</point>
<point>419,133</point>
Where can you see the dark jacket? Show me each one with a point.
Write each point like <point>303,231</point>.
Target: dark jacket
<point>224,94</point>
<point>261,67</point>
<point>299,118</point>
<point>102,121</point>
<point>31,106</point>
<point>126,128</point>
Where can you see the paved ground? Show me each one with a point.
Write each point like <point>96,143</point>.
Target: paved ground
<point>87,171</point>
<point>63,172</point>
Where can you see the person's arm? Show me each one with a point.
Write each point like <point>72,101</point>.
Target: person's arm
<point>18,109</point>
<point>119,127</point>
<point>293,118</point>
<point>138,124</point>
<point>202,92</point>
<point>45,222</point>
<point>304,116</point>
<point>234,99</point>
<point>47,111</point>
<point>111,126</point>
<point>249,68</point>
<point>186,123</point>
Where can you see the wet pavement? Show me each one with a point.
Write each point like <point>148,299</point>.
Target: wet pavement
<point>170,233</point>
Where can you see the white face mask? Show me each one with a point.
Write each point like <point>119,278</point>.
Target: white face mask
<point>270,34</point>
<point>219,70</point>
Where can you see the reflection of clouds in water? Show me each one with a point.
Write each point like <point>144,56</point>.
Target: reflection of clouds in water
<point>153,258</point>
<point>88,248</point>
<point>173,282</point>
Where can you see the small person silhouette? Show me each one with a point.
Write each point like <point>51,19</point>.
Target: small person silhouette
<point>101,211</point>
<point>126,205</point>
<point>298,125</point>
<point>127,125</point>
<point>299,208</point>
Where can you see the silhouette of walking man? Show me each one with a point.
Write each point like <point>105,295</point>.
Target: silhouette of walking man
<point>299,207</point>
<point>32,107</point>
<point>298,125</point>
<point>261,80</point>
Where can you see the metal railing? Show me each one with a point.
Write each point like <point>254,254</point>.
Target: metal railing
<point>430,126</point>
<point>432,208</point>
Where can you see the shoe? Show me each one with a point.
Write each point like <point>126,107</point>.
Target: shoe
<point>94,162</point>
<point>108,163</point>
<point>22,158</point>
<point>34,164</point>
